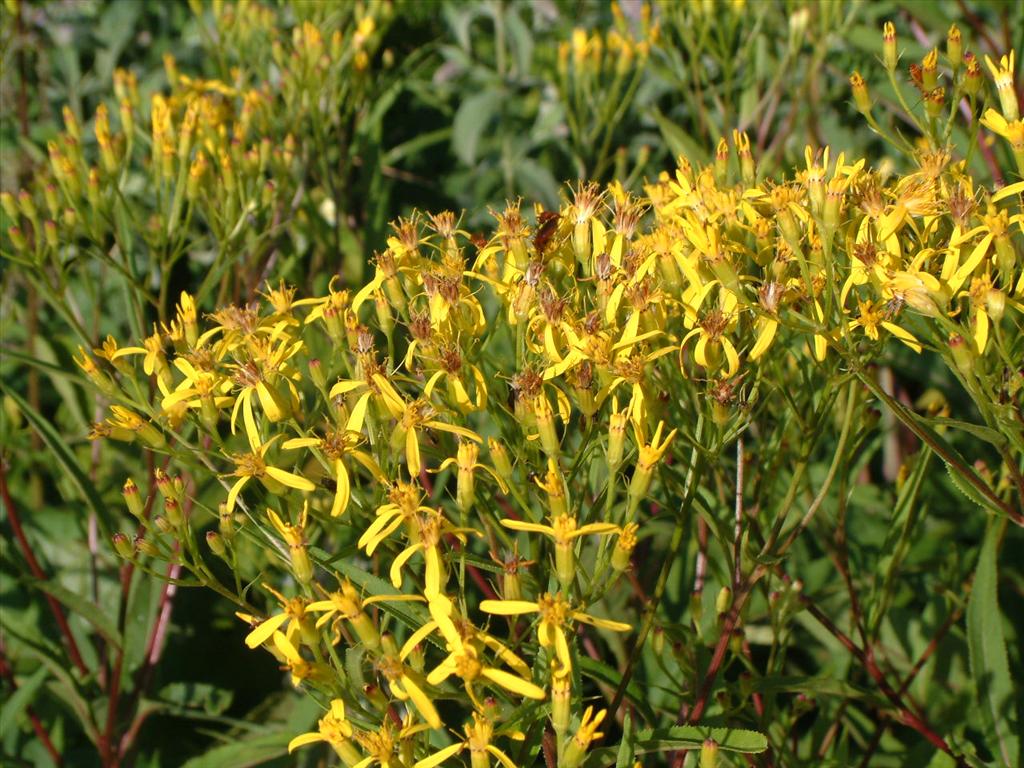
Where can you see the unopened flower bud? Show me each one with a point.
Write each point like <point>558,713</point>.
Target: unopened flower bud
<point>27,205</point>
<point>934,101</point>
<point>148,548</point>
<point>972,76</point>
<point>995,302</point>
<point>216,544</point>
<point>861,98</point>
<point>930,70</point>
<point>954,47</point>
<point>889,55</point>
<point>500,459</point>
<point>709,754</point>
<point>50,231</point>
<point>10,206</point>
<point>17,238</point>
<point>163,524</point>
<point>132,498</point>
<point>624,547</point>
<point>724,601</point>
<point>123,546</point>
<point>963,355</point>
<point>174,512</point>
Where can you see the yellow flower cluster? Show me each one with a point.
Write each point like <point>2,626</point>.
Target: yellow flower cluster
<point>363,416</point>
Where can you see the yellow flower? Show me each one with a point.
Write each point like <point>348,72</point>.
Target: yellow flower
<point>334,729</point>
<point>555,614</point>
<point>711,335</point>
<point>464,659</point>
<point>154,360</point>
<point>294,615</point>
<point>261,377</point>
<point>585,735</point>
<point>564,530</point>
<point>479,734</point>
<point>346,604</point>
<point>254,465</point>
<point>414,415</point>
<point>875,315</point>
<point>301,669</point>
<point>335,445</point>
<point>407,685</point>
<point>1003,76</point>
<point>466,462</point>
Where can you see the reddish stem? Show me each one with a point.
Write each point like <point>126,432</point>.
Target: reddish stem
<point>44,738</point>
<point>38,573</point>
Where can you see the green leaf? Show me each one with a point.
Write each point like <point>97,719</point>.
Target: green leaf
<point>211,699</point>
<point>678,140</point>
<point>686,737</point>
<point>19,701</point>
<point>627,747</point>
<point>83,607</point>
<point>989,666</point>
<point>66,458</point>
<point>599,671</point>
<point>245,753</point>
<point>473,116</point>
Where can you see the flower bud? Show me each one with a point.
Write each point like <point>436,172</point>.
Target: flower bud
<point>132,498</point>
<point>10,206</point>
<point>995,302</point>
<point>930,70</point>
<point>954,47</point>
<point>561,699</point>
<point>52,201</point>
<point>216,544</point>
<point>972,76</point>
<point>17,238</point>
<point>500,459</point>
<point>709,754</point>
<point>889,55</point>
<point>50,231</point>
<point>934,101</point>
<point>173,512</point>
<point>861,98</point>
<point>71,125</point>
<point>27,205</point>
<point>123,546</point>
<point>963,355</point>
<point>724,601</point>
<point>545,421</point>
<point>148,548</point>
<point>624,547</point>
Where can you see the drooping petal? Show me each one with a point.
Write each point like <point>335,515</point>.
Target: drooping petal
<point>265,630</point>
<point>508,607</point>
<point>439,757</point>
<point>290,479</point>
<point>510,682</point>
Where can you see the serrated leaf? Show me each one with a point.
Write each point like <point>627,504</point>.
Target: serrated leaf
<point>987,648</point>
<point>967,490</point>
<point>66,458</point>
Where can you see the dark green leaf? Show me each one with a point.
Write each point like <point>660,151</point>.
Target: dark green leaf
<point>106,626</point>
<point>989,665</point>
<point>67,460</point>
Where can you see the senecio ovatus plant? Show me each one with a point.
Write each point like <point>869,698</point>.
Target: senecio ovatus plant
<point>433,488</point>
